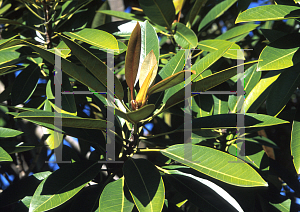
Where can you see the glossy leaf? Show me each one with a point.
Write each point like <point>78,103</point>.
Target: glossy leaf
<point>123,15</point>
<point>7,132</point>
<point>145,184</point>
<point>95,37</point>
<point>113,198</point>
<point>236,31</point>
<point>94,65</point>
<point>204,84</point>
<point>133,57</point>
<point>184,37</point>
<point>77,72</point>
<point>260,88</point>
<point>137,115</point>
<point>210,59</point>
<point>272,35</point>
<point>282,90</point>
<point>284,206</point>
<point>168,82</point>
<point>295,142</point>
<point>9,54</point>
<point>178,4</point>
<point>196,9</point>
<point>203,105</point>
<point>160,12</point>
<point>67,120</point>
<point>216,164</point>
<point>4,156</point>
<point>229,121</point>
<point>149,41</point>
<point>202,192</point>
<point>216,12</point>
<point>220,104</point>
<point>268,13</point>
<point>25,84</point>
<point>251,78</point>
<point>63,184</point>
<point>233,52</point>
<point>149,66</point>
<point>280,54</point>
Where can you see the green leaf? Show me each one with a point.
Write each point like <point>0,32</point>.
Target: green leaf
<point>220,104</point>
<point>160,12</point>
<point>216,164</point>
<point>252,77</point>
<point>77,72</point>
<point>203,105</point>
<point>63,184</point>
<point>113,198</point>
<point>203,193</point>
<point>9,54</point>
<point>96,38</point>
<point>25,84</point>
<point>284,206</point>
<point>123,15</point>
<point>132,58</point>
<point>5,8</point>
<point>259,89</point>
<point>236,31</point>
<point>195,10</point>
<point>204,84</point>
<point>4,156</point>
<point>216,12</point>
<point>272,35</point>
<point>7,132</point>
<point>210,59</point>
<point>185,37</point>
<point>282,90</point>
<point>233,52</point>
<point>295,142</point>
<point>137,115</point>
<point>68,100</point>
<point>280,54</point>
<point>149,41</point>
<point>168,82</point>
<point>268,13</point>
<point>94,65</point>
<point>67,120</point>
<point>229,121</point>
<point>145,184</point>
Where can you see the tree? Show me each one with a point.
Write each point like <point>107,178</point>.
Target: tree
<point>215,92</point>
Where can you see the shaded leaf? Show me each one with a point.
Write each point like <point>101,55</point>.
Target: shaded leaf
<point>137,115</point>
<point>145,184</point>
<point>123,15</point>
<point>67,120</point>
<point>207,161</point>
<point>63,184</point>
<point>94,65</point>
<point>216,12</point>
<point>284,206</point>
<point>196,9</point>
<point>7,132</point>
<point>25,84</point>
<point>160,12</point>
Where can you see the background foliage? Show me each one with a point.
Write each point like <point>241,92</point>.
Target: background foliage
<point>155,170</point>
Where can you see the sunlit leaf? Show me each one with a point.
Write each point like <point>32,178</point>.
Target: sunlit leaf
<point>113,198</point>
<point>184,36</point>
<point>237,30</point>
<point>145,184</point>
<point>268,13</point>
<point>4,156</point>
<point>7,132</point>
<point>295,142</point>
<point>216,164</point>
